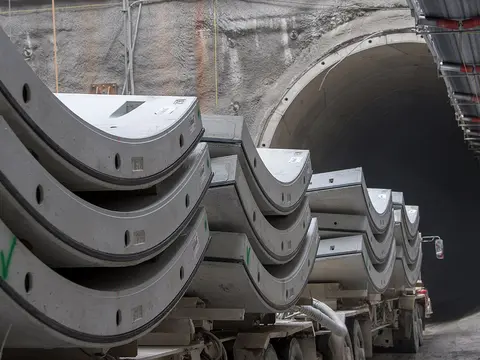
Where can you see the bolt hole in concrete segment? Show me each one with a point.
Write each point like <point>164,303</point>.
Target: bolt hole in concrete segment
<point>26,94</point>
<point>39,194</point>
<point>28,282</point>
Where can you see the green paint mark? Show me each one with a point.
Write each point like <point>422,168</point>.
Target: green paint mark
<point>248,255</point>
<point>7,261</point>
<point>206,225</point>
<point>208,163</point>
<point>199,115</point>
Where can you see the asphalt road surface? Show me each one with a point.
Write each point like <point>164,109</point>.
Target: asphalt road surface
<point>450,341</point>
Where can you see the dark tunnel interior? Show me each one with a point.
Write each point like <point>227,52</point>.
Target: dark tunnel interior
<point>386,110</point>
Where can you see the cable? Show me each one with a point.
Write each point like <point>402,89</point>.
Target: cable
<point>136,27</point>
<point>5,340</point>
<point>73,7</point>
<point>129,65</point>
<point>343,58</point>
<point>222,352</point>
<point>130,52</point>
<point>215,29</point>
<point>54,25</point>
<point>125,53</point>
<point>10,19</point>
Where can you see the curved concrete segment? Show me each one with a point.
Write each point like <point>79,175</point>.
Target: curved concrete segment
<point>231,207</point>
<point>233,276</point>
<point>278,178</point>
<point>121,141</point>
<point>410,214</point>
<point>405,275</point>
<point>340,225</point>
<point>346,261</point>
<point>412,246</point>
<point>70,231</point>
<point>345,192</point>
<point>91,308</point>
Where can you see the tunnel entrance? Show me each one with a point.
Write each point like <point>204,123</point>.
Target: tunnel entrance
<point>384,108</point>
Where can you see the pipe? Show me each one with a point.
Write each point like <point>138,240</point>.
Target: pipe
<point>130,52</point>
<point>470,119</point>
<point>136,29</point>
<point>466,97</point>
<point>323,319</point>
<point>125,20</point>
<point>328,311</point>
<point>469,69</point>
<point>450,24</point>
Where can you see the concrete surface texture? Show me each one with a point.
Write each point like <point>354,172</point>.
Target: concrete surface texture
<point>451,340</point>
<point>175,48</point>
<point>382,108</point>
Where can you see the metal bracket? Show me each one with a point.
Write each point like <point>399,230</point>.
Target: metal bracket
<point>195,309</point>
<point>407,302</point>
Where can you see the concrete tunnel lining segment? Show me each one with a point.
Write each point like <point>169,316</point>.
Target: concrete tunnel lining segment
<point>384,108</point>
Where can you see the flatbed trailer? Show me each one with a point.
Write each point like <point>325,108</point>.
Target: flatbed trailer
<point>387,323</point>
<point>391,322</point>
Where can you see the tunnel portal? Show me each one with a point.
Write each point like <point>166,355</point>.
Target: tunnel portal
<point>384,108</point>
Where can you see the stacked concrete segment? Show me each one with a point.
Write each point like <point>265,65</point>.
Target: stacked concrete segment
<point>101,223</point>
<point>264,239</point>
<point>96,142</point>
<point>277,177</point>
<point>369,237</point>
<point>408,239</point>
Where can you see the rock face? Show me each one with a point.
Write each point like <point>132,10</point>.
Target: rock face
<point>384,110</point>
<point>175,52</point>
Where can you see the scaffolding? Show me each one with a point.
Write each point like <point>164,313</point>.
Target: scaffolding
<point>451,30</point>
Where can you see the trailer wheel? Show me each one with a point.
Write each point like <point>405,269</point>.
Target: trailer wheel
<point>288,349</point>
<point>348,349</point>
<point>421,309</point>
<point>270,353</point>
<point>421,324</point>
<point>332,347</point>
<point>407,337</point>
<point>356,336</point>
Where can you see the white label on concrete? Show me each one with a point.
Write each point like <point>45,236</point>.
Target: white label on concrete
<point>295,159</point>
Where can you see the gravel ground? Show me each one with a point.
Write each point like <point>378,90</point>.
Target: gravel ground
<point>453,340</point>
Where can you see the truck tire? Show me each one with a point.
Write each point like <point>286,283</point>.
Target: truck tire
<point>356,336</point>
<point>332,347</point>
<point>270,353</point>
<point>288,349</point>
<point>421,324</point>
<point>408,343</point>
<point>421,308</point>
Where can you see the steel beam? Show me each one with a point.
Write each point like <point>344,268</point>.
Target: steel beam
<point>233,276</point>
<point>82,308</point>
<point>341,225</point>
<point>231,207</point>
<point>345,192</point>
<point>278,178</point>
<point>96,141</point>
<point>346,261</point>
<point>69,231</point>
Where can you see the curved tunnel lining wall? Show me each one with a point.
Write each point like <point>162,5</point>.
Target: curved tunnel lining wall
<point>384,108</point>
<point>295,103</point>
